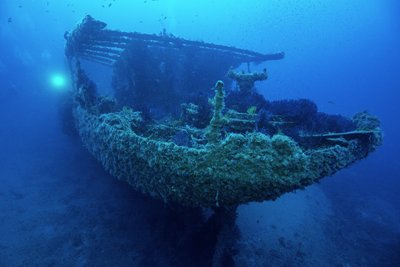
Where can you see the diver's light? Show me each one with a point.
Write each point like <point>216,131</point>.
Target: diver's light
<point>58,81</point>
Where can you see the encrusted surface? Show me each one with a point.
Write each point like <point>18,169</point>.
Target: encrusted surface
<point>240,168</point>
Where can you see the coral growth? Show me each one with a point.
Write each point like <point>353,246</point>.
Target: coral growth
<point>365,121</point>
<point>245,81</point>
<point>213,133</point>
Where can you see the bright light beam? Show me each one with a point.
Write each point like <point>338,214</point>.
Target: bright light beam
<point>58,81</point>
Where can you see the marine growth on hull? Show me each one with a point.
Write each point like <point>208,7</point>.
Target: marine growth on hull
<point>186,127</point>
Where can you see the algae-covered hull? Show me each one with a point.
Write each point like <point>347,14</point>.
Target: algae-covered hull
<point>241,168</point>
<point>231,159</point>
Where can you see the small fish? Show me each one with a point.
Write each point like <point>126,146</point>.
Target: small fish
<point>9,20</point>
<point>331,102</point>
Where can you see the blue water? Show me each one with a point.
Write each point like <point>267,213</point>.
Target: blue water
<point>58,207</point>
